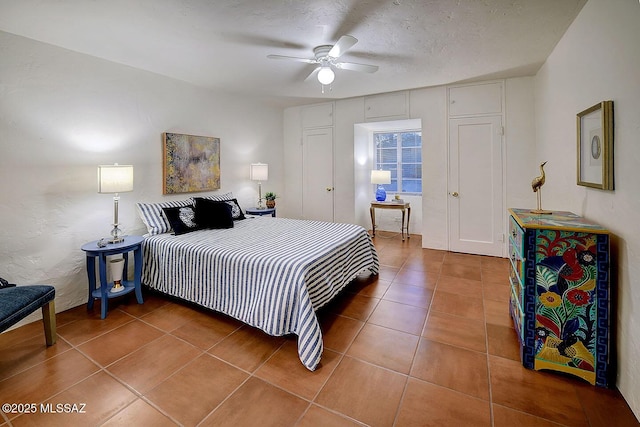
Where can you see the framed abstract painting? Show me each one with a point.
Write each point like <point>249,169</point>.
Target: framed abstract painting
<point>191,163</point>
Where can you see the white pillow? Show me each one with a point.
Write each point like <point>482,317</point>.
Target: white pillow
<point>153,217</point>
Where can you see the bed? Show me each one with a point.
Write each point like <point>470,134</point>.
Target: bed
<point>270,273</point>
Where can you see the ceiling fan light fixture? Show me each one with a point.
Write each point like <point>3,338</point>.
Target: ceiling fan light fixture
<point>325,57</point>
<point>326,75</point>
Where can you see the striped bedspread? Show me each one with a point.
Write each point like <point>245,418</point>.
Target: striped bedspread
<point>271,273</point>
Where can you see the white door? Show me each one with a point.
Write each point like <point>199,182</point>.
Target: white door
<point>317,174</point>
<point>476,208</point>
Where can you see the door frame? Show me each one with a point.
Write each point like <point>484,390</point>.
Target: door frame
<point>503,145</point>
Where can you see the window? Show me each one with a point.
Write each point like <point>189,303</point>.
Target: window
<point>400,153</point>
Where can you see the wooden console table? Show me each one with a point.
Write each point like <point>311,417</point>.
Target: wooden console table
<point>392,205</point>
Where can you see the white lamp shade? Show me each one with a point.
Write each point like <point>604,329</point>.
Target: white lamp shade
<point>380,177</point>
<point>326,75</point>
<point>115,178</point>
<point>259,172</point>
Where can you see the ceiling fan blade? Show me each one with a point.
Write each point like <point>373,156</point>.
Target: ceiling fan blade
<point>293,58</point>
<point>365,68</point>
<point>345,43</point>
<point>313,74</point>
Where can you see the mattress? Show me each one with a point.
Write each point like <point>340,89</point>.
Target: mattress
<point>270,273</point>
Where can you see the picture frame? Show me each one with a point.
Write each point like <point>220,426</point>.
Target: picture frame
<point>595,146</point>
<point>190,164</point>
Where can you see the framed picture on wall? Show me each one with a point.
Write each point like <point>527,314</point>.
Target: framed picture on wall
<point>190,164</point>
<point>595,146</point>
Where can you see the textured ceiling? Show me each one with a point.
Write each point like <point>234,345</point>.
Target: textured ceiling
<point>224,44</point>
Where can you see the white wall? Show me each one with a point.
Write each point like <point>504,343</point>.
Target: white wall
<point>599,59</point>
<point>430,106</point>
<point>347,112</point>
<point>520,147</point>
<point>63,113</point>
<point>429,213</point>
<point>351,168</point>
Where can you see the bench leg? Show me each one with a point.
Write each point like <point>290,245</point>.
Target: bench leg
<point>49,319</point>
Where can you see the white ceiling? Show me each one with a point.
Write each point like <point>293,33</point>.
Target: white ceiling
<point>224,44</point>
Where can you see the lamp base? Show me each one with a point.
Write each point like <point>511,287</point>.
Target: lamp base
<point>260,205</point>
<point>116,268</point>
<point>116,235</point>
<point>117,287</point>
<point>381,194</point>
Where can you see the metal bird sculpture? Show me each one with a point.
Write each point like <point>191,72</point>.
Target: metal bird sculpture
<point>538,181</point>
<point>536,185</point>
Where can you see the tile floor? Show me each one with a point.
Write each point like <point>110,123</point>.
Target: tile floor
<point>428,342</point>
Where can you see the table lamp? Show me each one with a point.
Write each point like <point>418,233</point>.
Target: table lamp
<point>259,172</point>
<point>115,179</point>
<point>380,177</point>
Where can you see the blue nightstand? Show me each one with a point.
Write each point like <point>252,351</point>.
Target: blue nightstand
<point>261,212</point>
<point>93,251</point>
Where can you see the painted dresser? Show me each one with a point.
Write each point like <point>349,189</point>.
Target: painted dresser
<point>560,293</point>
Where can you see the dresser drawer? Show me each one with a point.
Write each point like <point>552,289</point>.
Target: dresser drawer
<point>516,288</point>
<point>517,316</point>
<point>517,265</point>
<point>516,236</point>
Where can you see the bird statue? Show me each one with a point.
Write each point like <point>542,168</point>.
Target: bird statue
<point>536,185</point>
<point>538,181</point>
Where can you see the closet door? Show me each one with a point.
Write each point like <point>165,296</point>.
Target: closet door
<point>317,172</point>
<point>475,185</point>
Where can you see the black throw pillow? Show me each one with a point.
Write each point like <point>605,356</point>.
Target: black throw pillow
<point>213,213</point>
<point>182,219</point>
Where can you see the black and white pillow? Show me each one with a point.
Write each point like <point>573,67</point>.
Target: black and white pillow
<point>153,217</point>
<point>236,210</point>
<point>182,219</point>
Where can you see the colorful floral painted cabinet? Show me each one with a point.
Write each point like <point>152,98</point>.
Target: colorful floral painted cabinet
<point>560,293</point>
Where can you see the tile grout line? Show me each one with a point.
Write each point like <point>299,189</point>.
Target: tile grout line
<point>486,338</point>
<point>415,352</point>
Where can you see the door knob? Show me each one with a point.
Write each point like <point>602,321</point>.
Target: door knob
<point>329,188</point>
<point>455,194</point>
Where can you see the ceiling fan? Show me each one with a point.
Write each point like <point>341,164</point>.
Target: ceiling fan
<point>326,57</point>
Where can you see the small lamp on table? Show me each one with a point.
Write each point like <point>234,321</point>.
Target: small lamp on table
<point>380,177</point>
<point>259,172</point>
<point>115,179</point>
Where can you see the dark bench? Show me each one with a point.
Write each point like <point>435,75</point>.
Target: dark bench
<point>17,302</point>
